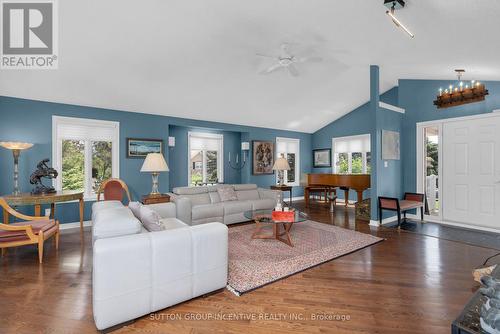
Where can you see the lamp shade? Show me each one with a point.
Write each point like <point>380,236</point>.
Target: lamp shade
<point>11,145</point>
<point>154,163</point>
<point>281,164</point>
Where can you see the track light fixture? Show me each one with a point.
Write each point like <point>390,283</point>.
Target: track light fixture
<point>393,5</point>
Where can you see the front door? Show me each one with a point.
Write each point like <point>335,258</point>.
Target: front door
<point>471,172</point>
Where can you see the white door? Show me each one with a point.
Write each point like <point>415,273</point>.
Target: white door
<point>471,171</point>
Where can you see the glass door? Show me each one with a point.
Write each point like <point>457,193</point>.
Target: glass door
<point>430,180</point>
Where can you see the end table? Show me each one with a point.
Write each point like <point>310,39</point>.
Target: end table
<point>155,199</point>
<point>284,188</point>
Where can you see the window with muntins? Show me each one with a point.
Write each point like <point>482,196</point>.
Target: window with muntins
<point>205,153</point>
<point>351,155</point>
<point>85,152</point>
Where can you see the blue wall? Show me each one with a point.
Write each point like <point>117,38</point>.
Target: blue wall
<point>416,97</point>
<point>31,121</point>
<point>357,122</point>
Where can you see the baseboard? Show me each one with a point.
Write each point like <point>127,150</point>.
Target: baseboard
<point>454,224</point>
<point>69,226</point>
<point>385,221</point>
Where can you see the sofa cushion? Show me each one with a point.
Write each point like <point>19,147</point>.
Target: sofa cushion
<point>236,207</point>
<point>245,195</point>
<point>150,219</point>
<point>227,194</point>
<point>171,223</point>
<point>101,205</point>
<point>114,222</point>
<point>214,196</point>
<point>263,204</point>
<point>165,210</point>
<point>247,186</point>
<point>207,211</point>
<point>104,205</point>
<point>136,209</point>
<point>189,190</point>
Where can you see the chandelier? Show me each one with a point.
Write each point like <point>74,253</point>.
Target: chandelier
<point>462,93</point>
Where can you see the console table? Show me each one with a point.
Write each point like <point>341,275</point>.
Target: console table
<point>39,199</point>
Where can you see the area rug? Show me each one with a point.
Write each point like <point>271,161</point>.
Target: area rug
<point>254,263</point>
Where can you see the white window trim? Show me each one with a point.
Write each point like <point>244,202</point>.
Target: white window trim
<point>349,154</point>
<point>297,160</point>
<point>57,121</point>
<point>220,157</point>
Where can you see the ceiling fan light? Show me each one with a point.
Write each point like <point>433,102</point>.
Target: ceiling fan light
<point>399,24</point>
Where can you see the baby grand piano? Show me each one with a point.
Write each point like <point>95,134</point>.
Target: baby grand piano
<point>357,182</point>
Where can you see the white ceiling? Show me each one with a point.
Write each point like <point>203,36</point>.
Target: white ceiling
<point>196,59</point>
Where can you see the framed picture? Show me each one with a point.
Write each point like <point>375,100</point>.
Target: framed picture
<point>322,158</point>
<point>390,145</point>
<point>139,148</point>
<point>263,157</point>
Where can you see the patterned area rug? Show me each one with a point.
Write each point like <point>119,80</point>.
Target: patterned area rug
<point>254,263</point>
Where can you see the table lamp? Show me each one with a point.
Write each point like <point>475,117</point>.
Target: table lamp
<point>16,148</point>
<point>281,164</point>
<point>154,164</point>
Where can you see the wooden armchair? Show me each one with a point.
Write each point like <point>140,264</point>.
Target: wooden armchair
<point>35,230</point>
<point>113,189</point>
<point>410,201</point>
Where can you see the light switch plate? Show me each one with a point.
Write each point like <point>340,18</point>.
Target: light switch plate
<point>386,163</point>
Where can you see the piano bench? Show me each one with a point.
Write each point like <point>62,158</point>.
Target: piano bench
<point>410,201</point>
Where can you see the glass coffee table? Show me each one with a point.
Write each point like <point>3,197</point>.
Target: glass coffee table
<point>281,227</point>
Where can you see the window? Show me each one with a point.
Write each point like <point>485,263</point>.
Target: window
<point>290,149</point>
<point>205,158</point>
<point>352,154</point>
<point>85,152</point>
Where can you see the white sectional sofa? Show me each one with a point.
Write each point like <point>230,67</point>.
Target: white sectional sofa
<point>136,272</point>
<point>198,205</point>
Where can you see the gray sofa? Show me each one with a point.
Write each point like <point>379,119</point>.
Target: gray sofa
<point>199,205</point>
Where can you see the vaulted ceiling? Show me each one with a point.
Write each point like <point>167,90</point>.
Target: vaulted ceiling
<point>196,59</point>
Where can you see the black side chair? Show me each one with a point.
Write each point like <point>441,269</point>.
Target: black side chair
<point>410,201</point>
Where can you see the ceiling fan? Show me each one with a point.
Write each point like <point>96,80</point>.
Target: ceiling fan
<point>287,60</point>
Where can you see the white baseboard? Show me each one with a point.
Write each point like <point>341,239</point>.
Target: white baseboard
<point>385,221</point>
<point>69,226</point>
<point>454,224</point>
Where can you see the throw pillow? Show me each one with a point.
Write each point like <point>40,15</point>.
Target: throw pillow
<point>227,194</point>
<point>136,209</point>
<point>150,219</point>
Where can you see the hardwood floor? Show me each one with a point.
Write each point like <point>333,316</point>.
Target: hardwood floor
<point>410,283</point>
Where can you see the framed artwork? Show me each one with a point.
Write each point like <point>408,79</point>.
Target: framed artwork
<point>263,157</point>
<point>139,148</point>
<point>390,145</point>
<point>322,158</point>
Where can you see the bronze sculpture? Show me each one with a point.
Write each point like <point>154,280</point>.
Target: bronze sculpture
<point>43,170</point>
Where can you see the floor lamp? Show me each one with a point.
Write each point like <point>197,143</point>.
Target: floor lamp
<point>16,148</point>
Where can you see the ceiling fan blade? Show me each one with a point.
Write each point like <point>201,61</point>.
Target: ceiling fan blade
<point>293,70</point>
<point>311,59</point>
<point>270,69</point>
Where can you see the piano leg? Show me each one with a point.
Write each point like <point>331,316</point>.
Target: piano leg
<point>306,197</point>
<point>360,196</point>
<point>346,196</point>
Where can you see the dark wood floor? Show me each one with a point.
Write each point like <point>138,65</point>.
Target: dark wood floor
<point>410,283</point>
